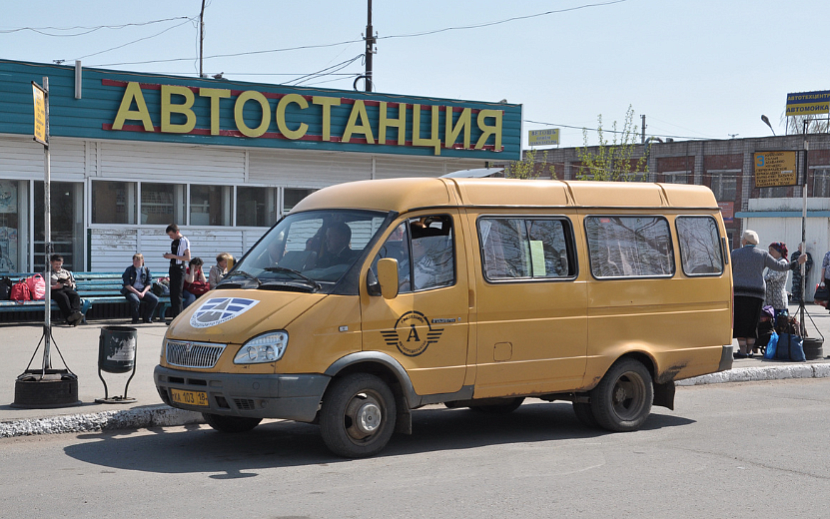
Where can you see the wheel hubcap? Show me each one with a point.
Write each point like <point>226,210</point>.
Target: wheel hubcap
<point>363,416</point>
<point>628,396</point>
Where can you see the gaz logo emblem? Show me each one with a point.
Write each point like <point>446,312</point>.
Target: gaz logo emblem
<point>412,334</point>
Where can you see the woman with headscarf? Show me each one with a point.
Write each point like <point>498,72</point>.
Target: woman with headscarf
<point>776,281</point>
<point>748,264</point>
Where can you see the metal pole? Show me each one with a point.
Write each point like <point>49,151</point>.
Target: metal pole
<point>370,44</point>
<point>47,238</point>
<point>803,266</point>
<point>201,38</point>
<point>643,136</point>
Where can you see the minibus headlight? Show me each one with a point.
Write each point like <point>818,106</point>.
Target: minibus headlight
<point>264,348</point>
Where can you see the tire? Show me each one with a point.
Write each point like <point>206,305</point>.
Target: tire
<point>506,408</point>
<point>585,415</point>
<point>231,424</point>
<point>813,348</point>
<point>358,415</point>
<point>622,400</point>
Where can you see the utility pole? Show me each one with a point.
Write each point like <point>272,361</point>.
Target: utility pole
<point>201,39</point>
<point>370,49</point>
<point>643,136</point>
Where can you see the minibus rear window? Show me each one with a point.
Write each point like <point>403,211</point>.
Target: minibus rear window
<point>515,248</point>
<point>629,246</point>
<point>700,253</point>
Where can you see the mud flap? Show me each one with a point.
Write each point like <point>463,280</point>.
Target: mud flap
<point>664,395</point>
<point>403,423</point>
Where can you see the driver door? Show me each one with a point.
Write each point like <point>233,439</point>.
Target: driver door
<point>426,327</point>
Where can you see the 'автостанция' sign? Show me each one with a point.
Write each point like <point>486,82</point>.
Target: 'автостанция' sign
<point>293,116</point>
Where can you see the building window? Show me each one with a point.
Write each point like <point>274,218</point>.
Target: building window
<point>113,202</point>
<point>725,185</point>
<point>210,205</point>
<point>256,206</point>
<point>629,246</point>
<point>821,183</point>
<point>774,192</point>
<point>13,220</point>
<point>292,197</point>
<point>162,204</point>
<point>676,177</point>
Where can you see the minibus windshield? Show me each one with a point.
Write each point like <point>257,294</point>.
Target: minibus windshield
<point>308,251</point>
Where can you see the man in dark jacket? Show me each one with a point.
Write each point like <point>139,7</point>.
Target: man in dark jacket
<point>137,284</point>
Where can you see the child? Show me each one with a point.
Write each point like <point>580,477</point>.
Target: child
<point>220,269</point>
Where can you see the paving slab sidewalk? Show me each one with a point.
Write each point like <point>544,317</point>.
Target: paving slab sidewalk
<point>79,348</point>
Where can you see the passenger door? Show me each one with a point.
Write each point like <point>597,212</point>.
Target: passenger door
<point>530,306</point>
<point>426,326</point>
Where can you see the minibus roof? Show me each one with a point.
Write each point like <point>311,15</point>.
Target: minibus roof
<point>405,194</point>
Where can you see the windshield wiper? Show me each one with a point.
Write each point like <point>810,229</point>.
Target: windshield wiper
<point>243,274</point>
<point>310,281</point>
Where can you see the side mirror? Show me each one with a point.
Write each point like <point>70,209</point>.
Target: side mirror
<point>388,277</point>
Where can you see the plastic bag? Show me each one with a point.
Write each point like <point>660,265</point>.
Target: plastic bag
<point>37,287</point>
<point>769,353</point>
<point>790,347</point>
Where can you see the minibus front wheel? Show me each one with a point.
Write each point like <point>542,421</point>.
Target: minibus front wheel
<point>622,400</point>
<point>358,415</point>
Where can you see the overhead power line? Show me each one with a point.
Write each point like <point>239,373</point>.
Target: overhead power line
<point>617,131</point>
<point>40,30</point>
<point>349,42</point>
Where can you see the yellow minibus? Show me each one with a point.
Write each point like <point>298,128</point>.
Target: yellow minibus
<point>371,299</point>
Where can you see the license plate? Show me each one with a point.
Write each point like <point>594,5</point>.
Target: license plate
<point>198,398</point>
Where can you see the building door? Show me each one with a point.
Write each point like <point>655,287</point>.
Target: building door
<point>67,224</point>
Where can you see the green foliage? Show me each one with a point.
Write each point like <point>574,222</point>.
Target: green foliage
<point>612,161</point>
<point>528,168</point>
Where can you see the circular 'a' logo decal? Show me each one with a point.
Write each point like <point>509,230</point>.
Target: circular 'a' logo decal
<point>218,310</point>
<point>412,334</point>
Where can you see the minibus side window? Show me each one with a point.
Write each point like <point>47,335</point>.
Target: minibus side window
<point>525,249</point>
<point>700,252</point>
<point>397,247</point>
<point>433,262</point>
<point>629,246</point>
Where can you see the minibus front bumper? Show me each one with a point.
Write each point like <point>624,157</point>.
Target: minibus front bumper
<point>292,397</point>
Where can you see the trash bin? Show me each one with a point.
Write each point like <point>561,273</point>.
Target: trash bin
<point>117,347</point>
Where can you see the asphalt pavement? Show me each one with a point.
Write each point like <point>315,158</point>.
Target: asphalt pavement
<point>78,347</point>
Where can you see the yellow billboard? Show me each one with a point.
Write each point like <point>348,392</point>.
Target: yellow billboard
<point>40,113</point>
<point>543,137</point>
<point>775,168</point>
<point>808,103</point>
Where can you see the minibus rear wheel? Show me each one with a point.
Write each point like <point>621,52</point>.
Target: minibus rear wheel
<point>622,400</point>
<point>358,415</point>
<point>231,424</point>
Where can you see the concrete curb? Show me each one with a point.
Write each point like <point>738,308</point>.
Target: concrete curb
<point>151,416</point>
<point>760,373</point>
<point>164,416</point>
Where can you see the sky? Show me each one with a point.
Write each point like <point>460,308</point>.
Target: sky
<point>702,69</point>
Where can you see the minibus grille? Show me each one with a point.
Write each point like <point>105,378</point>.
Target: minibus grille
<point>193,354</point>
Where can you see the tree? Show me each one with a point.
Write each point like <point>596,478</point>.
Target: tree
<point>528,168</point>
<point>612,161</point>
<point>794,125</point>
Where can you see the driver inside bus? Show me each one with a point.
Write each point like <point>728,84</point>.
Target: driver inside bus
<point>337,251</point>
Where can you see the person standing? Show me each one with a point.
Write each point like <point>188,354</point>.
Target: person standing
<point>797,296</point>
<point>137,283</point>
<point>748,264</point>
<point>63,291</point>
<point>179,256</point>
<point>776,281</point>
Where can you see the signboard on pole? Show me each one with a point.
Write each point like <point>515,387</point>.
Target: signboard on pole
<point>775,168</point>
<point>543,137</point>
<point>40,113</point>
<point>808,103</point>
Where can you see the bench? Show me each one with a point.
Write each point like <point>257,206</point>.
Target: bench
<point>93,287</point>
